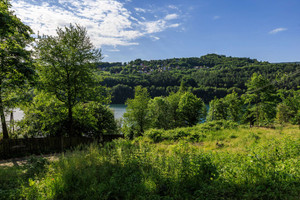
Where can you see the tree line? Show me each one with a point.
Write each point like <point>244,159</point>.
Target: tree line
<point>261,105</point>
<point>211,76</point>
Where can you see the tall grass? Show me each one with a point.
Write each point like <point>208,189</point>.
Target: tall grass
<point>138,170</point>
<point>143,169</point>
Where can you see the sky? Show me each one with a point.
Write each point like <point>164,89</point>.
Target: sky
<point>267,30</point>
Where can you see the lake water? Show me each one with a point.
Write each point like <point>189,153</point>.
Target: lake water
<point>118,109</point>
<point>17,115</point>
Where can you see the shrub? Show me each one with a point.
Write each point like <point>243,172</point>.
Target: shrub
<point>47,117</point>
<point>154,134</point>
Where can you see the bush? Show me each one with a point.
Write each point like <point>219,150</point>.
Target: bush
<point>192,134</point>
<point>94,119</point>
<point>47,117</point>
<point>154,134</point>
<point>35,166</point>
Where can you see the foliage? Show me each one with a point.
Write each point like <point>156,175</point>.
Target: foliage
<point>283,113</point>
<point>10,182</point>
<point>120,93</point>
<point>288,110</point>
<point>65,67</point>
<point>94,119</point>
<point>177,110</point>
<point>46,116</point>
<point>14,178</point>
<point>217,110</point>
<point>35,166</point>
<point>15,60</point>
<point>191,109</point>
<point>265,168</point>
<point>234,106</point>
<point>207,76</point>
<point>174,99</point>
<point>159,113</point>
<point>229,107</point>
<point>136,118</point>
<point>260,100</point>
<point>198,133</point>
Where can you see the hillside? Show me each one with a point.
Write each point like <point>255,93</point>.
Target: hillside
<point>207,76</point>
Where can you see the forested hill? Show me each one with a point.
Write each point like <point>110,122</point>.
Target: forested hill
<point>206,76</point>
<point>209,60</point>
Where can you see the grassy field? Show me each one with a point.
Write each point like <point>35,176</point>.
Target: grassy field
<point>215,160</point>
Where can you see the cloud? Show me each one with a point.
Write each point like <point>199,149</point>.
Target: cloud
<point>174,25</point>
<point>171,16</point>
<point>108,22</point>
<point>173,7</point>
<point>154,26</point>
<point>113,50</point>
<point>140,10</point>
<point>216,17</point>
<point>277,30</point>
<point>154,38</point>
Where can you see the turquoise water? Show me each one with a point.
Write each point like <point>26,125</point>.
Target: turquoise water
<point>118,109</point>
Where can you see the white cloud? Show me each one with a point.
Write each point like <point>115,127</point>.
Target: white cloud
<point>108,22</point>
<point>277,30</point>
<point>171,16</point>
<point>154,26</point>
<point>140,10</point>
<point>216,17</point>
<point>113,50</point>
<point>173,7</point>
<point>174,25</point>
<point>155,38</point>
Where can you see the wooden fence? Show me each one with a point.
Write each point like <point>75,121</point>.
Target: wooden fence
<point>12,148</point>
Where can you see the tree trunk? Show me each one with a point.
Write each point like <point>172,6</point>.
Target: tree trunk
<point>70,120</point>
<point>3,122</point>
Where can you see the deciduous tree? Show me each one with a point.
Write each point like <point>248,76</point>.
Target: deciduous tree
<point>15,59</point>
<point>217,110</point>
<point>136,117</point>
<point>191,109</point>
<point>159,113</point>
<point>260,99</point>
<point>66,66</point>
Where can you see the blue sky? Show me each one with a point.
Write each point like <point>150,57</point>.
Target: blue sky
<point>268,30</point>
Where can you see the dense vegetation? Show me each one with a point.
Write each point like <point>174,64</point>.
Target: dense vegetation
<point>261,105</point>
<point>207,77</point>
<point>16,67</point>
<point>217,160</point>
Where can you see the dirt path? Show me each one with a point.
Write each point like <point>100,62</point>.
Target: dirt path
<point>21,161</point>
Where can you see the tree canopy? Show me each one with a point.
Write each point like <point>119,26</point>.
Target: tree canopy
<point>15,60</point>
<point>66,66</point>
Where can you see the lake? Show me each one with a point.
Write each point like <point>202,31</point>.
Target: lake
<point>17,115</point>
<point>118,109</point>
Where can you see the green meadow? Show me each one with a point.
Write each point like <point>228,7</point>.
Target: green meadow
<point>215,160</point>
